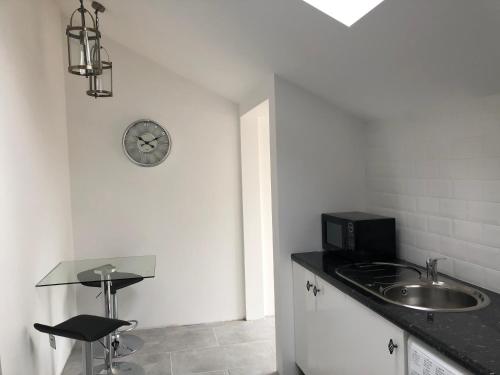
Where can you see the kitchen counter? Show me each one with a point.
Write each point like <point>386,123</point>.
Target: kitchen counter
<point>471,339</point>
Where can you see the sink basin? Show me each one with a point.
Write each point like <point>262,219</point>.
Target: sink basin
<point>436,296</point>
<point>405,285</point>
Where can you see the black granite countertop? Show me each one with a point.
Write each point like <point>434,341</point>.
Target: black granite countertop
<point>471,339</point>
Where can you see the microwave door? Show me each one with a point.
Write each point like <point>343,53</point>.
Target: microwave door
<point>335,235</point>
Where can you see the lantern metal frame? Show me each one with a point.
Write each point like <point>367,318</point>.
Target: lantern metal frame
<point>85,34</point>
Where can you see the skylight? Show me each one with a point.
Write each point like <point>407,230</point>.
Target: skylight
<point>346,11</point>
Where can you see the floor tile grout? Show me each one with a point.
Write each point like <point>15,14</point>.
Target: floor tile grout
<point>215,335</point>
<point>217,346</point>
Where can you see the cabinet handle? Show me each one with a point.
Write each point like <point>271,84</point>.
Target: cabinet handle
<point>308,286</point>
<point>316,291</point>
<point>391,346</point>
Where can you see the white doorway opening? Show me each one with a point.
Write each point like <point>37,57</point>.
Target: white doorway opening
<point>257,212</point>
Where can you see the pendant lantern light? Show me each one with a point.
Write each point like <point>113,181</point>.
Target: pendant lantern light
<point>101,86</point>
<point>83,44</point>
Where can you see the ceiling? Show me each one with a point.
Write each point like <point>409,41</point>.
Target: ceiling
<point>400,59</point>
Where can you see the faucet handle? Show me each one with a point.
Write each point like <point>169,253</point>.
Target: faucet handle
<point>430,260</point>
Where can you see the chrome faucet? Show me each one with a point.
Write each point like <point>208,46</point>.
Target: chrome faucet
<point>431,265</point>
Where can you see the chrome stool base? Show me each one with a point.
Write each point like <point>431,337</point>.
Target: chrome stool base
<point>129,344</point>
<point>119,368</point>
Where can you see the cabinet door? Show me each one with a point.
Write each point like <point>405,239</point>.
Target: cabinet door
<point>352,339</point>
<point>304,309</point>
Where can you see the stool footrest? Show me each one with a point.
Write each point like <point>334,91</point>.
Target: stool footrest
<point>128,344</point>
<point>131,327</point>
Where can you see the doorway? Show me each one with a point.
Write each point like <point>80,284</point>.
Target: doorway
<point>257,212</point>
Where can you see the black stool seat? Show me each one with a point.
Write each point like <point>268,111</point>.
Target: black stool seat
<point>83,327</point>
<point>126,279</point>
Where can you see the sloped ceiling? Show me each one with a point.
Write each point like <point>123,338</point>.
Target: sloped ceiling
<point>403,57</point>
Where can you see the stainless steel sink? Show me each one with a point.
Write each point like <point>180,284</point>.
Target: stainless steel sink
<point>436,296</point>
<point>404,285</point>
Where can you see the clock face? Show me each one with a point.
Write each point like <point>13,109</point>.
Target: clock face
<point>146,143</point>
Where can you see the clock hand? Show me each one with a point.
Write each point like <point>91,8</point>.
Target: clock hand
<point>161,136</point>
<point>154,139</point>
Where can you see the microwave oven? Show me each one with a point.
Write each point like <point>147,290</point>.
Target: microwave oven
<point>359,236</point>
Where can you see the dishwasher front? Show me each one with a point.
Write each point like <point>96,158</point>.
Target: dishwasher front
<point>423,360</point>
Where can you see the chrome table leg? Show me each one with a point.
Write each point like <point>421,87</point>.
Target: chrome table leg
<point>108,313</point>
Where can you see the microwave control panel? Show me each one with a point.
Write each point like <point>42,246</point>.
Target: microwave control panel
<point>350,236</point>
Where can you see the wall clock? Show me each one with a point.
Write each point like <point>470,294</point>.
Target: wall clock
<point>146,143</point>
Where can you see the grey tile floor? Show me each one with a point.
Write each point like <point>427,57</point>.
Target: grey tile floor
<point>226,348</point>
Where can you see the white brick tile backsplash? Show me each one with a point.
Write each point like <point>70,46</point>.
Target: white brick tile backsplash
<point>402,169</point>
<point>489,169</point>
<point>416,221</point>
<point>442,184</point>
<point>386,185</point>
<point>485,212</point>
<point>467,189</point>
<point>485,256</point>
<point>438,148</point>
<point>407,236</point>
<point>440,188</point>
<point>386,200</point>
<point>469,272</point>
<point>455,168</point>
<point>406,203</point>
<point>426,169</point>
<point>428,241</point>
<point>413,254</point>
<point>428,205</point>
<point>490,191</point>
<point>453,208</point>
<point>491,145</point>
<point>491,235</point>
<point>491,279</point>
<point>416,186</point>
<point>464,148</point>
<point>467,231</point>
<point>454,248</point>
<point>378,169</point>
<point>440,225</point>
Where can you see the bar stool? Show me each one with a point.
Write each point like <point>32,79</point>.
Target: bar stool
<point>124,344</point>
<point>85,328</point>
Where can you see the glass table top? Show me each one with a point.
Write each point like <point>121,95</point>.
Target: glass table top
<point>94,270</point>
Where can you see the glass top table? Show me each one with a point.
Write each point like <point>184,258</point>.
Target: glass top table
<point>97,270</point>
<point>105,273</point>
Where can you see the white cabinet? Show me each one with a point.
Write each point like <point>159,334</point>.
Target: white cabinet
<point>336,335</point>
<point>304,310</point>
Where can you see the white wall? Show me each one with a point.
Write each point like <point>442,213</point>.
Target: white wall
<point>267,210</point>
<point>257,212</point>
<point>318,164</point>
<point>187,211</point>
<point>439,175</point>
<point>35,212</point>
